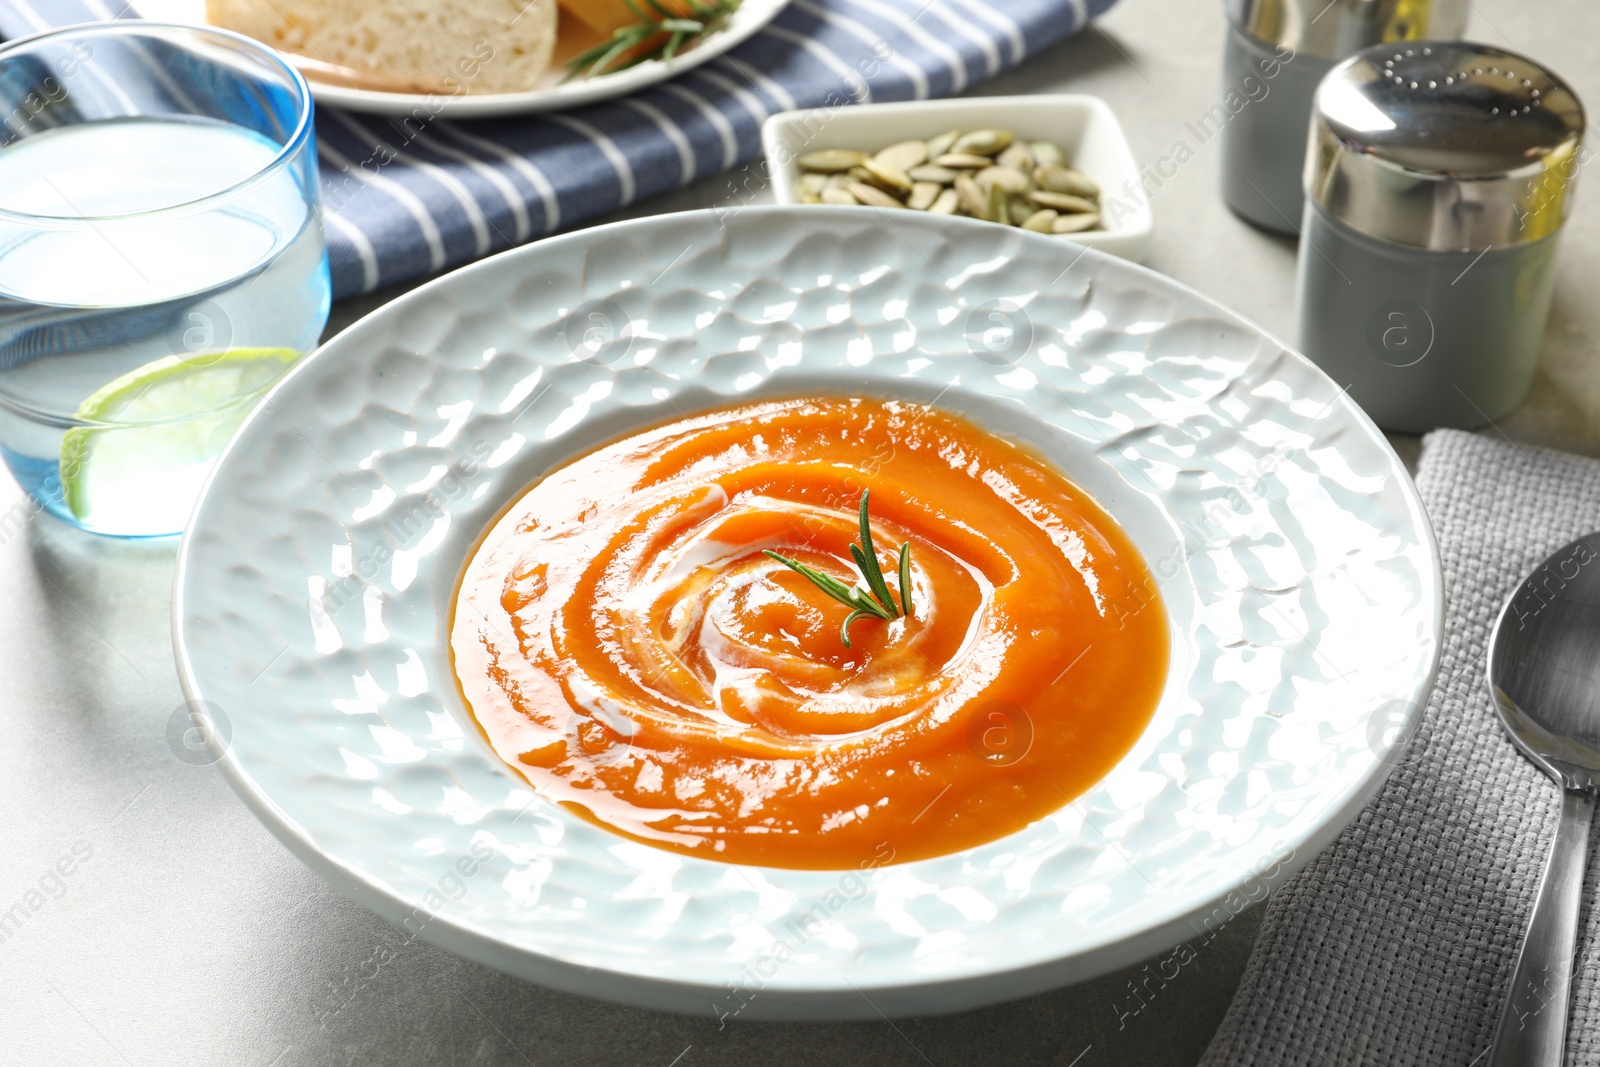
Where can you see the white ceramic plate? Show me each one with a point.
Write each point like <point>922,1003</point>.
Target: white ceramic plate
<point>751,16</point>
<point>1084,126</point>
<point>1294,558</point>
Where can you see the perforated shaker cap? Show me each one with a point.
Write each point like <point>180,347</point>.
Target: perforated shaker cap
<point>1445,145</point>
<point>1334,29</point>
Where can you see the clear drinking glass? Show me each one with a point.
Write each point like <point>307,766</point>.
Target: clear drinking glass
<point>162,260</point>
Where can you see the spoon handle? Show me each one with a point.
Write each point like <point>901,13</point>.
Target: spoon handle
<point>1533,1023</point>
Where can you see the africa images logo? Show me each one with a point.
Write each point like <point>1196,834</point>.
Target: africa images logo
<point>1400,333</point>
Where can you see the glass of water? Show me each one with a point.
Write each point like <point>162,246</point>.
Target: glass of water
<point>162,261</point>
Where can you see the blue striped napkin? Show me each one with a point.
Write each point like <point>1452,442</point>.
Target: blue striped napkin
<point>450,192</point>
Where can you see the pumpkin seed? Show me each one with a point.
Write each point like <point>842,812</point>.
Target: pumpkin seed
<point>1056,178</point>
<point>831,160</point>
<point>932,172</point>
<point>973,199</point>
<point>904,156</point>
<point>1018,157</point>
<point>1062,202</point>
<point>923,194</point>
<point>983,142</point>
<point>1012,181</point>
<point>1046,153</point>
<point>1041,221</point>
<point>1076,223</point>
<point>938,146</point>
<point>963,161</point>
<point>999,206</point>
<point>892,178</point>
<point>871,196</point>
<point>987,174</point>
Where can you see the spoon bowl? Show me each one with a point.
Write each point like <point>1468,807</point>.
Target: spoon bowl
<point>1544,674</point>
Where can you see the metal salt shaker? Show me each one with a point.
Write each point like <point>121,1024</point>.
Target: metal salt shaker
<point>1277,51</point>
<point>1437,180</point>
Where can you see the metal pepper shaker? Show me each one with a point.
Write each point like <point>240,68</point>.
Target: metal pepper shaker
<point>1437,181</point>
<point>1277,52</point>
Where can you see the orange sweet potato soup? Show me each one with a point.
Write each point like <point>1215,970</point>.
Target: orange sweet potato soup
<point>630,638</point>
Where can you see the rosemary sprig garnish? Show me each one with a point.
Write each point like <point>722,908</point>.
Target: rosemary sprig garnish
<point>876,602</point>
<point>672,30</point>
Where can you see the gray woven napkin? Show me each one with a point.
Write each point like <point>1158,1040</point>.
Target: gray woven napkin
<point>1395,945</point>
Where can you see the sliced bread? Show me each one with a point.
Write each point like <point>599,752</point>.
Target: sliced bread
<point>444,46</point>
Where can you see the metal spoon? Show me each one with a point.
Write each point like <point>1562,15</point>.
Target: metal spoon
<point>1544,672</point>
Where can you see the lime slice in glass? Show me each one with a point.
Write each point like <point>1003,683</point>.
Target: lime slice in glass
<point>166,422</point>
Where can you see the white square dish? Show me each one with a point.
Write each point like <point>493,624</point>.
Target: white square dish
<point>1084,127</point>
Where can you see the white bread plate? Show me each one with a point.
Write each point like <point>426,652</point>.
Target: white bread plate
<point>556,95</point>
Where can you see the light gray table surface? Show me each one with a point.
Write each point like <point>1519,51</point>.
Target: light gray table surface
<point>189,936</point>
